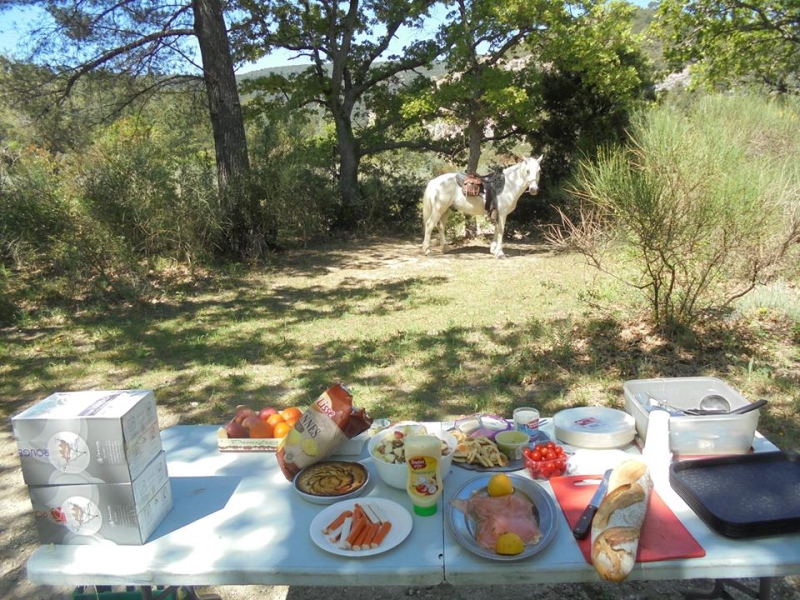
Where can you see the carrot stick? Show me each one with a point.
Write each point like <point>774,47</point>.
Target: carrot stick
<point>355,530</point>
<point>337,521</point>
<point>379,537</point>
<point>360,542</point>
<point>358,511</point>
<point>371,533</point>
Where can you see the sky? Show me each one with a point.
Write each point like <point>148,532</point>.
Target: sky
<point>14,22</point>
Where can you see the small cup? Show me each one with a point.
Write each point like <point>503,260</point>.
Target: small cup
<point>511,443</point>
<point>526,420</point>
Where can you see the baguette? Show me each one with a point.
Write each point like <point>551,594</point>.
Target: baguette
<point>617,525</point>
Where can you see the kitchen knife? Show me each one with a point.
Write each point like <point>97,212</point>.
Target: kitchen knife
<point>585,522</point>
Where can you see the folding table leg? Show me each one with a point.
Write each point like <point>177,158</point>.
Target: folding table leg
<point>173,591</point>
<point>718,591</point>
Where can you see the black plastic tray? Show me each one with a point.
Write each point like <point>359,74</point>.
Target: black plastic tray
<point>742,496</point>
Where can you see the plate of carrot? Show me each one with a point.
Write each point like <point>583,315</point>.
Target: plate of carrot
<point>362,527</point>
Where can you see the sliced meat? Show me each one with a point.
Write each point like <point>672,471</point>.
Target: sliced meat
<point>496,515</point>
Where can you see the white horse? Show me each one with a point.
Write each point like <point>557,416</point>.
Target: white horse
<point>444,193</point>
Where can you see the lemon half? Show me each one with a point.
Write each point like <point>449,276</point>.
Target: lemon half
<point>500,485</point>
<point>509,543</point>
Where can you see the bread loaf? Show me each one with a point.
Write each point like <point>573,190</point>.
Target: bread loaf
<point>617,525</point>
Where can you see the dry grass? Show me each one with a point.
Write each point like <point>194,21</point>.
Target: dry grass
<point>412,336</point>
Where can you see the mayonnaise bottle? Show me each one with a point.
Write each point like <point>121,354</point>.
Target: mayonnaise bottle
<point>424,485</point>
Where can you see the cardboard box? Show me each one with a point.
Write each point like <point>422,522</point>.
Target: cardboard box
<point>123,513</point>
<point>87,437</point>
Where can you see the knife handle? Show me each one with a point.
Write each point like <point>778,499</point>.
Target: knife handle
<point>581,528</point>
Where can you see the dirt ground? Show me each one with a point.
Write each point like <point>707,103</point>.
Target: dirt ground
<point>18,539</point>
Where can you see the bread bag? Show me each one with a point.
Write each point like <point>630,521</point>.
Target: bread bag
<point>617,526</point>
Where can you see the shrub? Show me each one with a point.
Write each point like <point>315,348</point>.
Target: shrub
<point>704,204</point>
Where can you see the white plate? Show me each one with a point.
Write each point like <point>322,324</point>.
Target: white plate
<point>399,516</point>
<point>594,427</point>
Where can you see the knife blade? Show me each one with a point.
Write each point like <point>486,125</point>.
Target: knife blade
<point>581,528</point>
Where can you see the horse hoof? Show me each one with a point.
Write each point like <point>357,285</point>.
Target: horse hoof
<point>501,256</point>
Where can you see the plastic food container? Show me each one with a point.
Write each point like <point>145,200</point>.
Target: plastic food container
<point>545,469</point>
<point>692,435</point>
<point>511,443</point>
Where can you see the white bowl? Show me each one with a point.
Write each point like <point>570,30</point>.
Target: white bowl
<point>395,474</point>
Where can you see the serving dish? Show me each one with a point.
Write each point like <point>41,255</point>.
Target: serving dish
<point>594,427</point>
<point>395,474</point>
<point>513,465</point>
<point>544,513</point>
<point>331,481</point>
<point>400,518</point>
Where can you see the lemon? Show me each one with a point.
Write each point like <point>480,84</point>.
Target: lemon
<point>500,485</point>
<point>509,543</point>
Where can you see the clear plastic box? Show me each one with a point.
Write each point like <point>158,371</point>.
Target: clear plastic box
<point>692,435</point>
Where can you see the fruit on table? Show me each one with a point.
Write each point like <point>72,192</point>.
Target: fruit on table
<point>265,412</point>
<point>545,460</point>
<point>509,543</point>
<point>236,430</point>
<point>500,485</point>
<point>269,422</point>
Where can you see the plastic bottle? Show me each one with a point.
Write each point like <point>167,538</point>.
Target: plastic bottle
<point>424,484</point>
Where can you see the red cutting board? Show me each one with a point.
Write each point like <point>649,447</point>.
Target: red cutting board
<point>663,536</point>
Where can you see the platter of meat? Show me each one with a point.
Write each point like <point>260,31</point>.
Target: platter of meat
<point>477,519</point>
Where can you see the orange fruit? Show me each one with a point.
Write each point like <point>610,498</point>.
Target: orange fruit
<point>262,429</point>
<point>281,429</point>
<point>291,422</point>
<point>291,413</point>
<point>275,419</point>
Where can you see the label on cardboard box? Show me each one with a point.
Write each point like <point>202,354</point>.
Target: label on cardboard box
<point>123,513</point>
<point>87,437</point>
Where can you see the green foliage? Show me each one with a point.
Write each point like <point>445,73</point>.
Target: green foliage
<point>597,77</point>
<point>135,183</point>
<point>703,204</point>
<point>728,42</point>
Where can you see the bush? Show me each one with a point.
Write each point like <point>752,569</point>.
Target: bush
<point>137,183</point>
<point>703,204</point>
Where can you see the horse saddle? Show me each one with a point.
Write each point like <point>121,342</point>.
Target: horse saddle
<point>473,184</point>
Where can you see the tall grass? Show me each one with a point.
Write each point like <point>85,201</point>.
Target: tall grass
<point>703,204</point>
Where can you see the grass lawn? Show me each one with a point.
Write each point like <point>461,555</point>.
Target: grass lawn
<point>412,336</point>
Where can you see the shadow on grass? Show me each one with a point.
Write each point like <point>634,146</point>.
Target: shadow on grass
<point>238,322</point>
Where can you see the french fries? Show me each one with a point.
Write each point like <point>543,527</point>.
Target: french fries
<point>478,450</point>
<point>363,528</point>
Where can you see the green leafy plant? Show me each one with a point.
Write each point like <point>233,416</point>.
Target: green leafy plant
<point>701,206</point>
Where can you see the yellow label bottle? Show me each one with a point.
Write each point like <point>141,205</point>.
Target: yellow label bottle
<point>424,486</point>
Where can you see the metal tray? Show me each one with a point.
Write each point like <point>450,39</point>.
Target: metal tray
<point>543,507</point>
<point>744,495</point>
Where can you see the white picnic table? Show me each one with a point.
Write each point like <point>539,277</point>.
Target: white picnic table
<point>237,521</point>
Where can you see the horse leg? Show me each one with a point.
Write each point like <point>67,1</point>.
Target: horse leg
<point>443,227</point>
<point>427,224</point>
<point>496,247</point>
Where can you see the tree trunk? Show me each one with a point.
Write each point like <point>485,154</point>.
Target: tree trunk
<point>349,160</point>
<point>475,132</point>
<point>242,222</point>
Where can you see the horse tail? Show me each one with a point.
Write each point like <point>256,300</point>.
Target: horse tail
<point>427,203</point>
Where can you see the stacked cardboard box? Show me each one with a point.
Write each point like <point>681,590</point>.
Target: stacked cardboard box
<point>94,466</point>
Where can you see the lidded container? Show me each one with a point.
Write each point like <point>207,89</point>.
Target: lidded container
<point>423,461</point>
<point>692,435</point>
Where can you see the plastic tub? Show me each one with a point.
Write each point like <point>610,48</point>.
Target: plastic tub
<point>692,435</point>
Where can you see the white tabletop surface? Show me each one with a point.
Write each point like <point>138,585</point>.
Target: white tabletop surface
<point>237,521</point>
